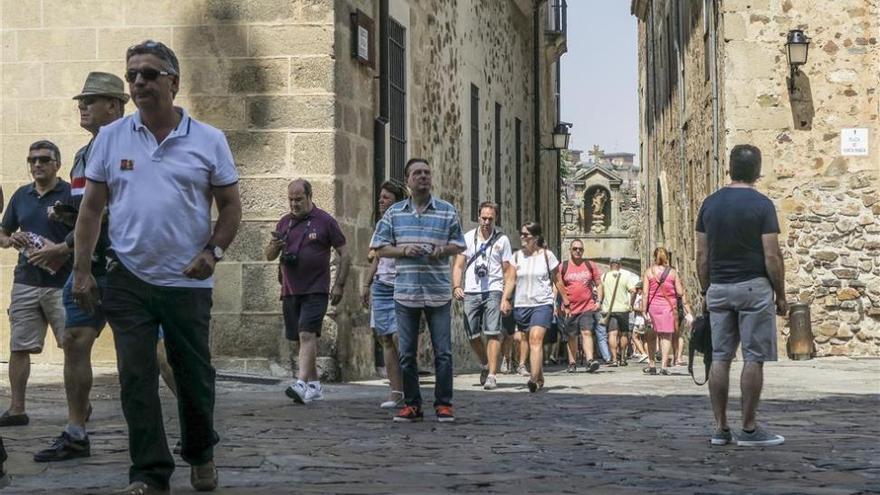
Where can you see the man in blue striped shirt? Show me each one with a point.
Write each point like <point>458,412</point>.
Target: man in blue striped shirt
<point>422,233</point>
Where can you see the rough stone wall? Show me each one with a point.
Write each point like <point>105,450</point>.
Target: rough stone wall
<point>356,109</point>
<point>676,128</point>
<point>489,44</point>
<point>826,202</point>
<point>260,70</point>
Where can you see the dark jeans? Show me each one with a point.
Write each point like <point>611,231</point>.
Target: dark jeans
<point>135,309</point>
<point>408,320</point>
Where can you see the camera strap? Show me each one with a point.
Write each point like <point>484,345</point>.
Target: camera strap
<point>302,238</point>
<point>486,245</point>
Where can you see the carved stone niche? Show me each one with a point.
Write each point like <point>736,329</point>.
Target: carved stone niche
<point>601,196</point>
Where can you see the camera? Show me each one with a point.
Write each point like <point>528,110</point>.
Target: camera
<point>481,271</point>
<point>289,259</point>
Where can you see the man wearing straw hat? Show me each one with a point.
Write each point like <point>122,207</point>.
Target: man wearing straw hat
<point>101,102</point>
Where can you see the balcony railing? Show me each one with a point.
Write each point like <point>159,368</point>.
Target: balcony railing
<point>557,18</point>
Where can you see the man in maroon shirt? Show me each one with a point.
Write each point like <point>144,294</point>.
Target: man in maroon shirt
<point>580,277</point>
<point>303,239</point>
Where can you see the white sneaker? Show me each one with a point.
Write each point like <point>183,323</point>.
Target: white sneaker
<point>297,392</point>
<point>393,403</point>
<point>314,392</point>
<point>491,383</point>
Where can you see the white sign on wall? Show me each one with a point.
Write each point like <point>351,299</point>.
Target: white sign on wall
<point>854,142</point>
<point>363,43</point>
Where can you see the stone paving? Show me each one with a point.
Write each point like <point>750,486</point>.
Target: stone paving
<point>615,431</point>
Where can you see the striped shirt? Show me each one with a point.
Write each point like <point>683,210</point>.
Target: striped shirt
<point>420,281</point>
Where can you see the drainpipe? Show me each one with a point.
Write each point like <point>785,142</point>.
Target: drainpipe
<point>536,83</point>
<point>558,158</point>
<point>380,125</point>
<point>715,111</point>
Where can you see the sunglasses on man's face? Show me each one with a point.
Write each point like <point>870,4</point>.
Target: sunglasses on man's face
<point>42,160</point>
<point>148,74</point>
<point>580,250</point>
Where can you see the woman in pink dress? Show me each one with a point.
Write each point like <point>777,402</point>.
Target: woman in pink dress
<point>659,306</point>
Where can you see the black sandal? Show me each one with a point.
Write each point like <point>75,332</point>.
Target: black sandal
<point>649,371</point>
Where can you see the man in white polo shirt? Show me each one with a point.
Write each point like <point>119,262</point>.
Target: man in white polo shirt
<point>159,169</point>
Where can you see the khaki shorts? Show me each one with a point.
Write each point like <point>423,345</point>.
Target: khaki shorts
<point>31,310</point>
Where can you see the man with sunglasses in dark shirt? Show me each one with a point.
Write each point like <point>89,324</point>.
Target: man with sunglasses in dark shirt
<point>36,288</point>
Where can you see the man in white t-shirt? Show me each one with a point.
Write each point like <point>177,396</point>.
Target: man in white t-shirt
<point>483,263</point>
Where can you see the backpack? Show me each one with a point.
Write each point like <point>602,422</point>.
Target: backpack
<point>594,269</point>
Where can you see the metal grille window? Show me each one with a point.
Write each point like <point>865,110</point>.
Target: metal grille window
<point>498,198</point>
<point>397,80</point>
<point>517,138</point>
<point>475,152</point>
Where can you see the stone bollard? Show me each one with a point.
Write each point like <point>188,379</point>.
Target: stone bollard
<point>800,339</point>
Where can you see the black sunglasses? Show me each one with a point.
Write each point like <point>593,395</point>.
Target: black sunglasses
<point>42,159</point>
<point>89,100</point>
<point>148,74</point>
<point>577,249</point>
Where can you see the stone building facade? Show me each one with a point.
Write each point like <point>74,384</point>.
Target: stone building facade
<point>600,207</point>
<point>714,74</point>
<point>282,80</point>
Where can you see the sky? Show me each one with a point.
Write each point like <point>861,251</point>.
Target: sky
<point>600,78</point>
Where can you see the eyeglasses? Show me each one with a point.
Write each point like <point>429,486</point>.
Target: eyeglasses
<point>149,74</point>
<point>41,159</point>
<point>580,250</point>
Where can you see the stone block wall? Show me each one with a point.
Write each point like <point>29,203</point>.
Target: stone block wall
<point>262,71</point>
<point>278,78</point>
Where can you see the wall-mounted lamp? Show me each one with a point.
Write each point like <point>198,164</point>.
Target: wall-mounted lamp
<point>796,48</point>
<point>568,216</point>
<point>561,136</point>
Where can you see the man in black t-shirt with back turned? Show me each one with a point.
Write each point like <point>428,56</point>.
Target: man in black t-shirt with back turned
<point>741,271</point>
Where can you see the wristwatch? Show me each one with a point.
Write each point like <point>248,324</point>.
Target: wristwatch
<point>216,251</point>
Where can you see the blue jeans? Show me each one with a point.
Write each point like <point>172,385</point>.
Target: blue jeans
<point>439,324</point>
<point>602,339</point>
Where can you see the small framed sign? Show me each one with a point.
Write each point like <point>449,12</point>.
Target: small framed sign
<point>854,142</point>
<point>362,38</point>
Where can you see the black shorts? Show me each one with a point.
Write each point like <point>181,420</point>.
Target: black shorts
<point>619,322</point>
<point>304,313</point>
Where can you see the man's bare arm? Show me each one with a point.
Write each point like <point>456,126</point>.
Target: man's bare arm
<point>703,261</point>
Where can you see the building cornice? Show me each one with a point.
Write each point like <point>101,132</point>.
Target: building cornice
<point>639,8</point>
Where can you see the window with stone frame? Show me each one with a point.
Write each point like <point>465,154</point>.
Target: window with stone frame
<point>517,139</point>
<point>475,152</point>
<point>498,191</point>
<point>397,90</point>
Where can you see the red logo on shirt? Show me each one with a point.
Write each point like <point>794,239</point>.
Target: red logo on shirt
<point>126,164</point>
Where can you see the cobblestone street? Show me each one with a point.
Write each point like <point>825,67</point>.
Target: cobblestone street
<point>613,432</point>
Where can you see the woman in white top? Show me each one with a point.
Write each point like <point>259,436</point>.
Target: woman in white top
<point>638,321</point>
<point>537,280</point>
<point>378,295</point>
